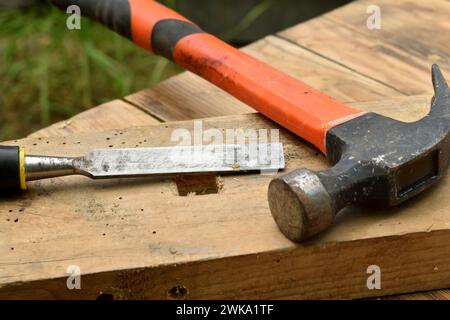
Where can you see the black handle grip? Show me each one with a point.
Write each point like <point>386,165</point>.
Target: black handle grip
<point>10,175</point>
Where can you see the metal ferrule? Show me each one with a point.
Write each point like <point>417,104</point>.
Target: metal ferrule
<point>43,167</point>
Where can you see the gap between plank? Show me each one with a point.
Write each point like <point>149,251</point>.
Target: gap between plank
<point>146,110</point>
<point>339,63</point>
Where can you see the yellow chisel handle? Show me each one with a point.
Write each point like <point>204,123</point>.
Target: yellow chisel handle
<point>12,169</point>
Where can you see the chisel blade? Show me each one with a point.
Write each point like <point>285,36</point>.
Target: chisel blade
<point>129,162</point>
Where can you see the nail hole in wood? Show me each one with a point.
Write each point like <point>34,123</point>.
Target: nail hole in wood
<point>177,293</point>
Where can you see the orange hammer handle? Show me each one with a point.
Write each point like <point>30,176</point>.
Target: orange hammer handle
<point>288,101</point>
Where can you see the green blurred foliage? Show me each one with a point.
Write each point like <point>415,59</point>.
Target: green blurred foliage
<point>49,73</point>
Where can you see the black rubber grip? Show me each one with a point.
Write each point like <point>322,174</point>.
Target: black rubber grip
<point>9,169</point>
<point>166,34</point>
<point>115,14</point>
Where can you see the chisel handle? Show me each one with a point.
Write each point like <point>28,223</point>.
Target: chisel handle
<point>12,169</point>
<point>16,168</point>
<point>288,101</point>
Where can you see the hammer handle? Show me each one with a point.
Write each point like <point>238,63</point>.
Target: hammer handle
<point>288,101</point>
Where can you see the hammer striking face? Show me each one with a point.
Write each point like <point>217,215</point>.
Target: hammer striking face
<point>377,161</point>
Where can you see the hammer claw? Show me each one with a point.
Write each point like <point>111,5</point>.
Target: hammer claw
<point>376,161</point>
<point>440,104</point>
<point>439,82</point>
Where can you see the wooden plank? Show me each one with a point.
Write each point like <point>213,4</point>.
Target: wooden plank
<point>429,295</point>
<point>349,70</point>
<point>187,96</point>
<point>324,75</point>
<point>140,239</point>
<point>399,55</point>
<point>116,114</point>
<point>413,35</point>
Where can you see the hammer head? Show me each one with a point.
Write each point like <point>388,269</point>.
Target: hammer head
<point>377,161</point>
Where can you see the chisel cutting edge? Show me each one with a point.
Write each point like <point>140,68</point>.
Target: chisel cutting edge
<point>16,167</point>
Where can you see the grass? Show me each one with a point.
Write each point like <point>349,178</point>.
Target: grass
<point>49,73</point>
<point>249,18</point>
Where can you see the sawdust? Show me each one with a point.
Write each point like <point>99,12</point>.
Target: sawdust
<point>220,183</point>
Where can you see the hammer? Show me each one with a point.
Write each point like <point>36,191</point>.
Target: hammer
<point>376,160</point>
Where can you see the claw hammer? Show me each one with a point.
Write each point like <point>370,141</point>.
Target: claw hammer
<point>376,160</point>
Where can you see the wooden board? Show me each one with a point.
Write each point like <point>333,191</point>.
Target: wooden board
<point>140,239</point>
<point>116,114</point>
<point>396,58</point>
<point>334,53</point>
<point>413,35</point>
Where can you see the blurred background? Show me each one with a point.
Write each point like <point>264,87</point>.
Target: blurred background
<point>49,73</point>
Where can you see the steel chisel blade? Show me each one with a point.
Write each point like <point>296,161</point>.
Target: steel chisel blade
<point>128,162</point>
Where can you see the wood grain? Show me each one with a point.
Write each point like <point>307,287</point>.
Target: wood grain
<point>115,114</point>
<point>413,35</point>
<point>139,238</point>
<point>226,245</point>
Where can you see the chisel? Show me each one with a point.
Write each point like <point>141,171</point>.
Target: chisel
<point>16,167</point>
